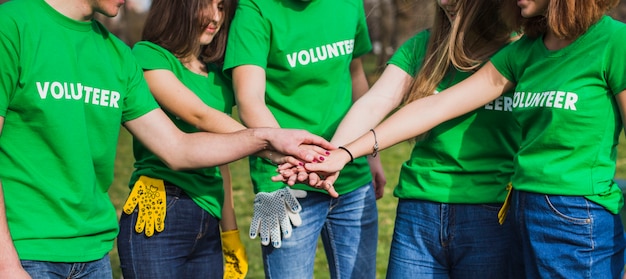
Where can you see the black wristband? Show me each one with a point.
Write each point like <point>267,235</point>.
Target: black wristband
<point>349,153</point>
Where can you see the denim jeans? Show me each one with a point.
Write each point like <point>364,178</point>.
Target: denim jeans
<point>99,269</point>
<point>188,247</point>
<point>439,240</point>
<point>349,231</point>
<point>566,237</point>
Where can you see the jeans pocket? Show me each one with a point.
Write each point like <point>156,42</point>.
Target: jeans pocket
<point>573,209</point>
<point>171,200</point>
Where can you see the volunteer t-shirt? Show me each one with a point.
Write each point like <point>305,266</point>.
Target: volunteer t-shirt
<point>565,102</point>
<point>65,88</point>
<point>306,49</point>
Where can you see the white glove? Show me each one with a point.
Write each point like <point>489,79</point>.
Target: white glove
<point>274,212</point>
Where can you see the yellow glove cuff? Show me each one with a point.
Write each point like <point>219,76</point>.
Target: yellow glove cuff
<point>235,258</point>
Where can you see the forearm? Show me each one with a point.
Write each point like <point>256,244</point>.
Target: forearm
<point>249,85</point>
<point>179,100</point>
<point>8,255</point>
<point>181,150</point>
<point>384,96</point>
<point>216,122</point>
<point>229,219</point>
<point>360,85</point>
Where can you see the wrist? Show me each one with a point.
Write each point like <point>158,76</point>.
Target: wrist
<point>347,151</point>
<point>262,136</point>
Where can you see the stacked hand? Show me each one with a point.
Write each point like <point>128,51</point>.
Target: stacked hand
<point>321,174</point>
<point>298,143</point>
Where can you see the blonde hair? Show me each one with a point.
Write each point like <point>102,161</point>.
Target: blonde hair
<point>480,29</point>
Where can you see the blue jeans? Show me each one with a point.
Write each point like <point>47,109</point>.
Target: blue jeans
<point>439,240</point>
<point>566,237</point>
<point>189,246</point>
<point>349,230</point>
<point>99,269</point>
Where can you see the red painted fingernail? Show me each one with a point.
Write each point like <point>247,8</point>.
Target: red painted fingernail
<point>327,152</point>
<point>322,158</point>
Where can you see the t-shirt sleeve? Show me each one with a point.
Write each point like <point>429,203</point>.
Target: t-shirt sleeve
<point>150,56</point>
<point>362,42</point>
<point>248,39</point>
<point>615,61</point>
<point>503,60</point>
<point>138,100</point>
<point>9,45</point>
<point>410,56</point>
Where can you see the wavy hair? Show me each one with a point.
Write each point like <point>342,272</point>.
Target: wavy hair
<point>176,25</point>
<point>480,29</point>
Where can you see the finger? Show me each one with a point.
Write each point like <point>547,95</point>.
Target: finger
<point>290,171</point>
<point>291,202</point>
<point>314,179</point>
<point>254,226</point>
<point>291,180</point>
<point>329,183</point>
<point>303,177</point>
<point>265,231</point>
<point>291,161</point>
<point>319,150</point>
<point>275,234</point>
<point>133,198</point>
<point>287,165</point>
<point>317,140</point>
<point>149,226</point>
<point>285,226</point>
<point>330,188</point>
<point>279,178</point>
<point>294,218</point>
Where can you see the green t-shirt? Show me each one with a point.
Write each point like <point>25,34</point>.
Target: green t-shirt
<point>204,186</point>
<point>306,49</point>
<point>468,159</point>
<point>564,100</point>
<point>65,88</point>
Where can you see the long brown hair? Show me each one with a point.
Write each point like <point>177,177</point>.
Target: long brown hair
<point>176,25</point>
<point>568,19</point>
<point>480,29</point>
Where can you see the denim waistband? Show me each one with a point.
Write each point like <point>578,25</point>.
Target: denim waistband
<point>174,190</point>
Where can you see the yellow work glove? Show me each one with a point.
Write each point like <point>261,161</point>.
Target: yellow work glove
<point>505,206</point>
<point>149,193</point>
<point>235,258</point>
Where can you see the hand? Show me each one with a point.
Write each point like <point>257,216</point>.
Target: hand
<point>333,163</point>
<point>298,143</point>
<point>149,193</point>
<point>291,175</point>
<point>235,258</point>
<point>274,213</point>
<point>378,175</point>
<point>14,272</point>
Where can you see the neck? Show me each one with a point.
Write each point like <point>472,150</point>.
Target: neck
<point>552,42</point>
<point>75,9</point>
